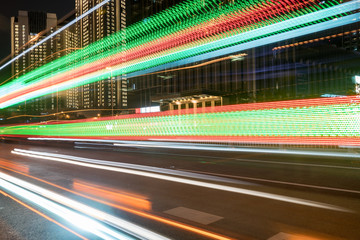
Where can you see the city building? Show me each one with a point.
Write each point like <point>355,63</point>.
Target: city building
<point>110,93</point>
<point>27,29</point>
<point>68,42</point>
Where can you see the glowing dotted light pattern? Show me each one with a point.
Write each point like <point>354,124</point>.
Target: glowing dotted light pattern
<point>315,121</point>
<point>193,28</point>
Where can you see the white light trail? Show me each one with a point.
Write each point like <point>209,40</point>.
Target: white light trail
<point>187,181</point>
<point>138,167</point>
<point>204,147</point>
<point>125,226</point>
<point>70,216</point>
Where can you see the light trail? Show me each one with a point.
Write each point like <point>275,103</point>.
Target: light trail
<point>42,215</point>
<point>189,182</point>
<point>121,197</point>
<point>11,184</point>
<point>228,149</point>
<point>277,182</point>
<point>136,167</point>
<point>94,70</point>
<point>15,166</point>
<point>28,67</point>
<point>204,147</point>
<point>320,121</point>
<point>72,111</point>
<point>242,55</point>
<point>134,211</point>
<point>316,40</point>
<point>85,223</point>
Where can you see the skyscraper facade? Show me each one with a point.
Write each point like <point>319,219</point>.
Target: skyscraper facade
<point>110,93</point>
<point>68,43</point>
<point>27,29</point>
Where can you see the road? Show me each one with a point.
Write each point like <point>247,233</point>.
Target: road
<point>176,191</point>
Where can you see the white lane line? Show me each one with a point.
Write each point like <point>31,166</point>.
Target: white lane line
<point>193,182</point>
<point>194,215</point>
<point>274,181</point>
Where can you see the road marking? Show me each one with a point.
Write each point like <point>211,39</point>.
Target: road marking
<point>194,215</point>
<point>274,181</point>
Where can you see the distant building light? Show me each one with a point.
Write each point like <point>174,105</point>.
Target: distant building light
<point>150,109</point>
<point>357,79</point>
<point>332,95</point>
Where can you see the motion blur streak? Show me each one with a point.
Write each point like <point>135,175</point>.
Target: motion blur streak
<point>43,215</point>
<point>227,149</point>
<point>279,182</point>
<point>15,166</point>
<point>7,182</point>
<point>202,147</point>
<point>192,44</point>
<point>316,121</point>
<point>139,167</point>
<point>191,182</point>
<point>136,212</point>
<point>114,195</point>
<point>75,218</point>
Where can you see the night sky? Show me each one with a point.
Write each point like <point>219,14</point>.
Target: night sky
<point>12,7</point>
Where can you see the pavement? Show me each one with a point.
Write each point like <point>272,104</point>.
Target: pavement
<point>237,194</point>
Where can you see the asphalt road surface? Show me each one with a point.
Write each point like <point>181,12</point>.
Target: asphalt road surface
<point>50,190</point>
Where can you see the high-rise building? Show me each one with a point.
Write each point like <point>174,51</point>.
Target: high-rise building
<point>68,42</point>
<point>26,30</point>
<point>110,93</point>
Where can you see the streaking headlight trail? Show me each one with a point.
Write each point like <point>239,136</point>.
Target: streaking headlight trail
<point>271,196</point>
<point>51,201</point>
<point>319,121</point>
<point>163,43</point>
